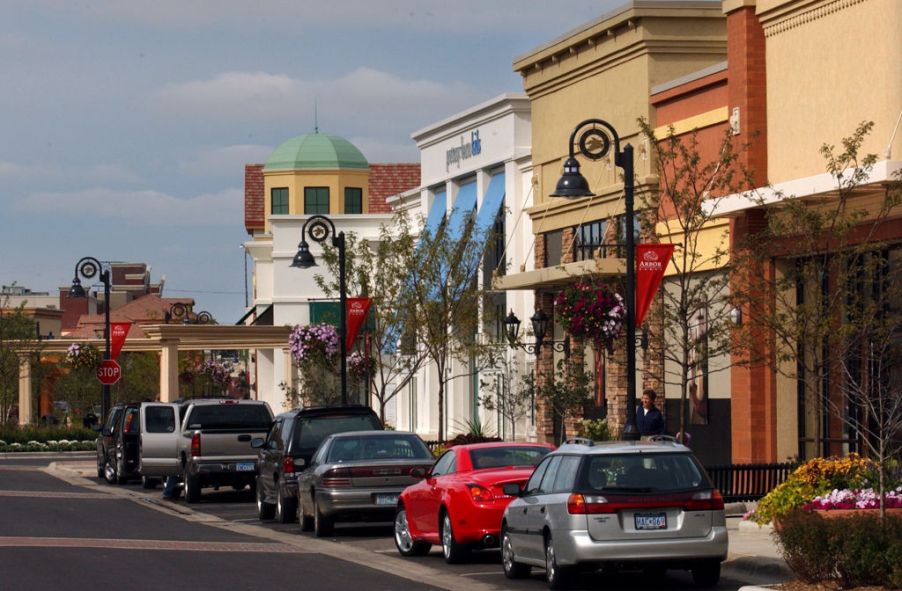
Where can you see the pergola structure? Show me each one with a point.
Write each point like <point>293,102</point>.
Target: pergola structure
<point>168,340</point>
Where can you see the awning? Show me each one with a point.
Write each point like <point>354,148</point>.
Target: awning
<point>437,212</point>
<point>463,209</point>
<point>491,203</point>
<point>559,276</point>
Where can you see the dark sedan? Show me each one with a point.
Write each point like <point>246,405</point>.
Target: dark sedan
<point>358,476</point>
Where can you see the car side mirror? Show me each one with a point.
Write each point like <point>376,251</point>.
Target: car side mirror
<point>512,489</point>
<point>419,472</point>
<point>257,442</point>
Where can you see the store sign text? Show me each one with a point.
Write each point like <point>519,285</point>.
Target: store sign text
<point>464,151</point>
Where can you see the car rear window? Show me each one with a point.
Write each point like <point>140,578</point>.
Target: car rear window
<point>641,473</point>
<point>378,447</point>
<point>501,457</point>
<point>230,416</point>
<point>311,431</point>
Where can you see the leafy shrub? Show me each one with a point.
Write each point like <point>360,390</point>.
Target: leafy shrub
<point>815,477</point>
<point>596,430</point>
<point>853,551</point>
<point>45,433</point>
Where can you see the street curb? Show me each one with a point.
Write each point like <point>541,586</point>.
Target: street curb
<point>46,455</point>
<point>759,566</point>
<point>410,569</point>
<point>757,588</point>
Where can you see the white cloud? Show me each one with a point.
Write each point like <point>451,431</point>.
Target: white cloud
<point>151,208</point>
<point>226,161</point>
<point>367,99</point>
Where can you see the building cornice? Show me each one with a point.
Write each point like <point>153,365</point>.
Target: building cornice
<point>777,19</point>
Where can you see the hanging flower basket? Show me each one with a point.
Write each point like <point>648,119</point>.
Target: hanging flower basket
<point>316,342</point>
<point>593,312</point>
<point>82,356</point>
<point>359,365</point>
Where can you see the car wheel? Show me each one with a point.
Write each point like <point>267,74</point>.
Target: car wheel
<point>512,568</point>
<point>286,508</point>
<point>322,525</point>
<point>555,575</point>
<point>109,472</point>
<point>264,510</point>
<point>306,520</point>
<point>706,574</point>
<point>192,488</point>
<point>453,551</point>
<point>404,541</point>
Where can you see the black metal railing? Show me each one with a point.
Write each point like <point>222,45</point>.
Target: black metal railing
<point>748,482</point>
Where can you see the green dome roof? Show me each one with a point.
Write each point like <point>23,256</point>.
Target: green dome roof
<point>315,150</point>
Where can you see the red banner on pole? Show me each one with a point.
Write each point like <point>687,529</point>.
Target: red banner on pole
<point>651,262</point>
<point>358,308</point>
<point>118,332</point>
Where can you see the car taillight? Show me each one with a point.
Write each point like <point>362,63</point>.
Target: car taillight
<point>706,500</point>
<point>578,504</point>
<point>337,478</point>
<point>195,444</point>
<point>287,465</point>
<point>480,494</point>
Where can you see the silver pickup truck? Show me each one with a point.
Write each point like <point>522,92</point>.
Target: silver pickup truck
<point>205,442</point>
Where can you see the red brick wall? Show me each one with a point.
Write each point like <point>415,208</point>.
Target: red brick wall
<point>390,179</point>
<point>72,309</point>
<point>748,87</point>
<point>254,198</point>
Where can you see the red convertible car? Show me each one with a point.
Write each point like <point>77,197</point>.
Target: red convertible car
<point>460,500</point>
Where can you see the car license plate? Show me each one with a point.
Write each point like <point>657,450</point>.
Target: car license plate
<point>386,499</point>
<point>244,467</point>
<point>651,520</point>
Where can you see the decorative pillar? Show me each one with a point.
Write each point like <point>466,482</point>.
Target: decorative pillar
<point>24,390</point>
<point>169,371</point>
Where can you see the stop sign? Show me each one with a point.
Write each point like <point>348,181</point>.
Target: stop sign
<point>109,372</point>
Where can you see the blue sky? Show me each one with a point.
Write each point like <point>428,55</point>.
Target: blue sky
<point>125,126</point>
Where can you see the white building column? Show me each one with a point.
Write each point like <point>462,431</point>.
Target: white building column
<point>169,371</point>
<point>24,390</point>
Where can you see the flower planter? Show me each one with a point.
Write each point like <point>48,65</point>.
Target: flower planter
<point>843,513</point>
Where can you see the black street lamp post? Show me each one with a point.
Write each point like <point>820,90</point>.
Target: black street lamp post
<point>539,323</point>
<point>321,228</point>
<point>595,143</point>
<point>88,267</point>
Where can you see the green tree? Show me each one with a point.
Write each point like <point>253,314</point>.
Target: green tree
<point>567,391</point>
<point>17,333</point>
<point>832,302</point>
<point>691,329</point>
<point>378,270</point>
<point>506,392</point>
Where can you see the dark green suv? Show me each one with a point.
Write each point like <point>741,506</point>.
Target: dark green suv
<point>289,446</point>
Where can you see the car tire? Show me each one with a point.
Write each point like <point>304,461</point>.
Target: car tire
<point>286,508</point>
<point>306,520</point>
<point>109,472</point>
<point>512,568</point>
<point>556,576</point>
<point>322,525</point>
<point>404,541</point>
<point>265,510</point>
<point>100,467</point>
<point>451,549</point>
<point>706,574</point>
<point>192,488</point>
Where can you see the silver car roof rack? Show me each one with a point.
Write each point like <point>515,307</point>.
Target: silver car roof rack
<point>580,441</point>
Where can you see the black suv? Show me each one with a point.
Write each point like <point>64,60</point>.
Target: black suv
<point>117,445</point>
<point>289,446</point>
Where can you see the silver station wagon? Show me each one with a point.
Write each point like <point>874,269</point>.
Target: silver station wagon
<point>620,505</point>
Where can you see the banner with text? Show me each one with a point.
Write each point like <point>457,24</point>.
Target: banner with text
<point>358,308</point>
<point>651,262</point>
<point>118,332</point>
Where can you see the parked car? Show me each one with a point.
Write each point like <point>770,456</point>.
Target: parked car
<point>460,500</point>
<point>210,445</point>
<point>645,505</point>
<point>290,445</point>
<point>117,445</point>
<point>358,476</point>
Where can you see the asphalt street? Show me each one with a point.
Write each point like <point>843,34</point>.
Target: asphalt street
<point>64,529</point>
